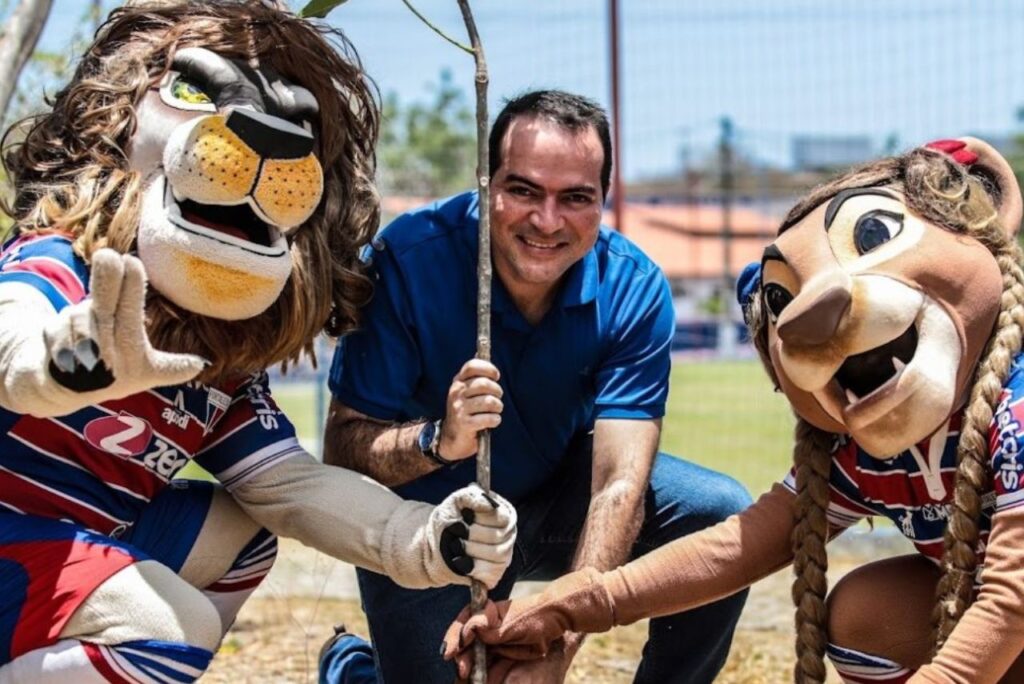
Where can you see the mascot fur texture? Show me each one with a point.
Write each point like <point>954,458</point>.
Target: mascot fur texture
<point>890,311</point>
<point>222,153</point>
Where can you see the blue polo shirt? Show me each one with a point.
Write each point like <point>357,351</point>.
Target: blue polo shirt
<point>602,351</point>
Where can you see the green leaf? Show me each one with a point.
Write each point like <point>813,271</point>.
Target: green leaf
<point>319,8</point>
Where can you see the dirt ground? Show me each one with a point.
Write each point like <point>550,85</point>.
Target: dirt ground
<point>280,630</point>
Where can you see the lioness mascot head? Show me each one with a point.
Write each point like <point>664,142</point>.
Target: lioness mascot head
<point>230,145</point>
<point>893,298</point>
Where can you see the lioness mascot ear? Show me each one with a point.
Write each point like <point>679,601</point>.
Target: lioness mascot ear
<point>188,214</point>
<point>890,311</point>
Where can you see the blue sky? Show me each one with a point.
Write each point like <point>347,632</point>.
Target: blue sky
<point>915,69</point>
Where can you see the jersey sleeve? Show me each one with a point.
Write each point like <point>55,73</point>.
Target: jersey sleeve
<point>632,381</point>
<point>1006,442</point>
<point>376,368</point>
<point>251,436</point>
<point>49,264</point>
<point>846,506</point>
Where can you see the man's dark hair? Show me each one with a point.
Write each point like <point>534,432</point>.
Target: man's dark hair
<point>573,112</point>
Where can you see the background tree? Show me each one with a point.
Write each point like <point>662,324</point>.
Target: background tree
<point>428,149</point>
<point>29,74</point>
<point>17,42</point>
<point>45,71</point>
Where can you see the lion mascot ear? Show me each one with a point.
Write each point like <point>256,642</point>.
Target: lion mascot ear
<point>984,161</point>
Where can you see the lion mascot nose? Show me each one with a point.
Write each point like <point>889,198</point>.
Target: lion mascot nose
<point>269,136</point>
<point>817,321</point>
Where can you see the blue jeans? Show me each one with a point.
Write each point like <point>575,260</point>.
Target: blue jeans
<point>407,626</point>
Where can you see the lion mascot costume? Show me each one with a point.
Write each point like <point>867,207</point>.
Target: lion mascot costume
<point>890,311</point>
<point>221,152</point>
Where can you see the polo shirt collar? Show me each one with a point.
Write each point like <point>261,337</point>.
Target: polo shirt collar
<point>580,286</point>
<point>581,282</point>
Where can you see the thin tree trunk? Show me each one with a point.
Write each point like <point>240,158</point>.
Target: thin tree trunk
<point>478,592</point>
<point>96,14</point>
<point>17,43</point>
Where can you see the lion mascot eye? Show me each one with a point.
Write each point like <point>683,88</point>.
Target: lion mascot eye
<point>776,298</point>
<point>182,92</point>
<point>186,91</point>
<point>875,229</point>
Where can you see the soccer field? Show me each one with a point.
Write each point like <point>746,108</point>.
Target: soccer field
<point>724,415</point>
<point>721,414</point>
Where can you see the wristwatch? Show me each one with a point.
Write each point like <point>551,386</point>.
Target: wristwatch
<point>429,440</point>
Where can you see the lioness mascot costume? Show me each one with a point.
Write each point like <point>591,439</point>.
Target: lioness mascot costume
<point>889,311</point>
<point>223,153</point>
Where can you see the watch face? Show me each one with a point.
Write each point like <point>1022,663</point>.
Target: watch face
<point>426,438</point>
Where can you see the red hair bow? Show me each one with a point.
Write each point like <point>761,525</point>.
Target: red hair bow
<point>957,149</point>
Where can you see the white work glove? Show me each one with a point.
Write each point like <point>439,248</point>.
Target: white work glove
<point>100,346</point>
<point>469,535</point>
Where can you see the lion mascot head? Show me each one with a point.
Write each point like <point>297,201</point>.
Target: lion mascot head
<point>891,302</point>
<point>230,145</point>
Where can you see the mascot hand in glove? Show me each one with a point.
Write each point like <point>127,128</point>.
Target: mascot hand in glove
<point>188,214</point>
<point>889,310</point>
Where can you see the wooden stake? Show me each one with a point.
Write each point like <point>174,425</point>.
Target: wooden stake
<point>483,302</point>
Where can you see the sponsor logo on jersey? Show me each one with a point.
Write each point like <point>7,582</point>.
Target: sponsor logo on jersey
<point>907,525</point>
<point>177,418</point>
<point>123,435</point>
<point>934,512</point>
<point>164,460</point>
<point>176,415</point>
<point>1006,448</point>
<point>264,407</point>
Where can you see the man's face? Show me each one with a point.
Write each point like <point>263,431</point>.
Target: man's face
<point>545,204</point>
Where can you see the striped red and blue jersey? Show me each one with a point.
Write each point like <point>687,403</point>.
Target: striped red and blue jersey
<point>98,467</point>
<point>915,488</point>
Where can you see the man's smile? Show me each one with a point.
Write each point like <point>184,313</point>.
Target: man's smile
<point>546,246</point>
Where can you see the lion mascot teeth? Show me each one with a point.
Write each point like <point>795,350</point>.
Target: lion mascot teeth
<point>189,214</point>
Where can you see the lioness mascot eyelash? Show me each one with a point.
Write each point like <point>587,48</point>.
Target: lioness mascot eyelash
<point>222,153</point>
<point>889,311</point>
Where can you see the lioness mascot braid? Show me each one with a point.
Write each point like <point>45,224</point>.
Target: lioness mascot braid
<point>889,310</point>
<point>223,153</point>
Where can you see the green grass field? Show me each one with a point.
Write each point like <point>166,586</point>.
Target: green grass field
<point>721,414</point>
<point>725,416</point>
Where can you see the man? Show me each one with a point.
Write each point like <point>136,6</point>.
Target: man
<point>581,327</point>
